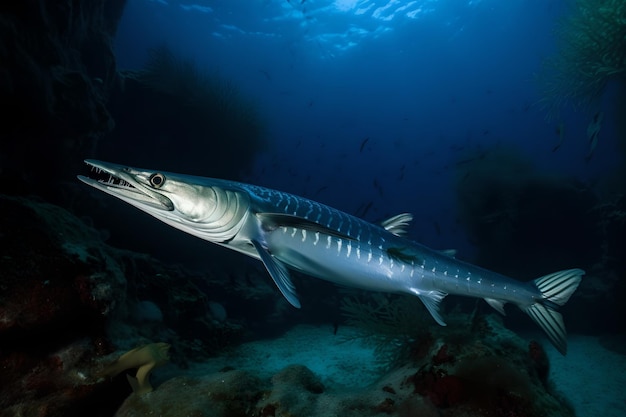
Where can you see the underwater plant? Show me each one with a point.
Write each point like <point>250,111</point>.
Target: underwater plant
<point>592,51</point>
<point>391,324</point>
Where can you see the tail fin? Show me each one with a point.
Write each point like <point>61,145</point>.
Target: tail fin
<point>556,289</point>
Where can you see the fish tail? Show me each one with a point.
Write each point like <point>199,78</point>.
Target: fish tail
<point>556,289</point>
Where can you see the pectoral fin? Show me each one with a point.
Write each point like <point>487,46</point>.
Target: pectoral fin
<point>271,221</point>
<point>405,254</point>
<point>279,273</point>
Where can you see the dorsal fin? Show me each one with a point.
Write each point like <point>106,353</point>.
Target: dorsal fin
<point>397,224</point>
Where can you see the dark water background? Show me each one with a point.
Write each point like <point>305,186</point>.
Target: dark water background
<point>367,105</point>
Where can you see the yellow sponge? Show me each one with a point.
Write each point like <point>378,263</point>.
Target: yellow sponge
<point>145,359</point>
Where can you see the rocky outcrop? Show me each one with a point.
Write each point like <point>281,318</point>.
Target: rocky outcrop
<point>59,287</point>
<point>68,301</point>
<point>57,68</point>
<point>70,305</point>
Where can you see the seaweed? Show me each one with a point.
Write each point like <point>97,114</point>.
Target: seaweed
<point>592,50</point>
<point>393,325</point>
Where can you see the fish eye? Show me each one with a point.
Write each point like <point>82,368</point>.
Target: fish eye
<point>157,180</point>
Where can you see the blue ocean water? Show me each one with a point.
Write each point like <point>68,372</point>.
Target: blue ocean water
<point>383,107</point>
<point>479,117</point>
<point>377,101</point>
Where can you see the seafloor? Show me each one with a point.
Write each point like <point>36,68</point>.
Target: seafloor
<point>590,377</point>
<point>72,310</point>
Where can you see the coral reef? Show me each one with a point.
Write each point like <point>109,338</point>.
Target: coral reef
<point>59,289</point>
<point>592,50</point>
<point>183,305</point>
<point>491,373</point>
<point>67,303</point>
<point>55,271</point>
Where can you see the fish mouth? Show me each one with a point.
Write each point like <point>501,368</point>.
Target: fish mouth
<point>105,177</point>
<point>126,184</point>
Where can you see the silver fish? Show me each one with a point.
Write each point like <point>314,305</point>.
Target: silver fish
<point>286,232</point>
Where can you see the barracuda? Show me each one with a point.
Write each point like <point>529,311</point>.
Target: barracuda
<point>286,232</point>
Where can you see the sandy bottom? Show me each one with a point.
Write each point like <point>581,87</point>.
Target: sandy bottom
<point>591,377</point>
<point>338,361</point>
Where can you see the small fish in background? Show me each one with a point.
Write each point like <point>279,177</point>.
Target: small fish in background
<point>362,210</point>
<point>378,187</point>
<point>319,190</point>
<point>266,74</point>
<point>472,159</point>
<point>367,208</point>
<point>363,144</point>
<point>437,228</point>
<point>560,131</point>
<point>401,176</point>
<point>456,147</point>
<point>593,132</point>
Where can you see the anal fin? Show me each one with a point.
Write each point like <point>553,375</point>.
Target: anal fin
<point>498,305</point>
